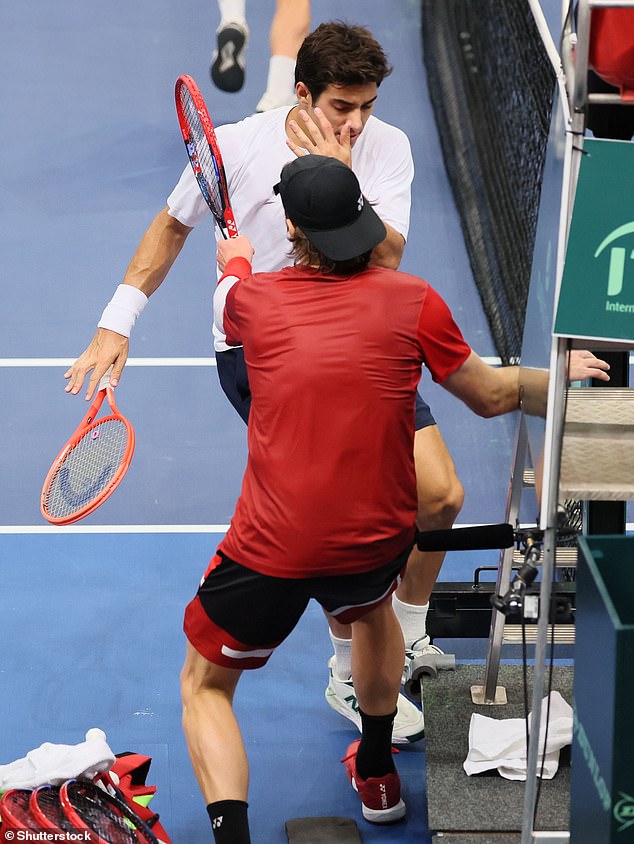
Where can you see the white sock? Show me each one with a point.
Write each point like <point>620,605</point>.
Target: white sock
<point>412,618</point>
<point>232,11</point>
<point>280,82</point>
<point>343,657</point>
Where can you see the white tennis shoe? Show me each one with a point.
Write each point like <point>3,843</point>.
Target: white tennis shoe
<point>420,648</point>
<point>409,724</point>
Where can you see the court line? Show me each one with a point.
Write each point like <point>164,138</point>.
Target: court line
<point>210,361</point>
<point>35,362</point>
<point>42,529</point>
<point>114,529</point>
<point>88,529</point>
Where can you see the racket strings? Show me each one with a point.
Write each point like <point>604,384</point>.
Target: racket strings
<point>88,468</point>
<point>16,811</point>
<point>99,817</point>
<point>46,807</point>
<point>205,168</point>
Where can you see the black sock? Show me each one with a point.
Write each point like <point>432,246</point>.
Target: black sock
<point>374,757</point>
<point>229,821</point>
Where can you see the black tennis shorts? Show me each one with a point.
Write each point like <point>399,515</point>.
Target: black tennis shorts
<point>239,616</point>
<point>232,372</point>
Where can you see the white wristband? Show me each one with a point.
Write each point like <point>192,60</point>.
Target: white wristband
<point>123,309</point>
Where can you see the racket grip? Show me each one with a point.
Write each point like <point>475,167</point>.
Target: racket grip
<point>105,380</point>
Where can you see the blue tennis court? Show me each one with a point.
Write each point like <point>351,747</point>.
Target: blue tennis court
<point>90,615</point>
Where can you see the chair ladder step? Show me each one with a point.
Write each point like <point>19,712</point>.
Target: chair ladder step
<point>564,634</point>
<point>564,558</point>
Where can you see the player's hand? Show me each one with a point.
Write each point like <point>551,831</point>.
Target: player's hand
<point>583,364</point>
<point>319,138</point>
<point>106,349</point>
<point>234,247</point>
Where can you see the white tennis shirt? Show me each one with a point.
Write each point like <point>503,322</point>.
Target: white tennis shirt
<point>254,152</point>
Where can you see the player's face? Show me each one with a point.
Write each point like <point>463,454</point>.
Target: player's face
<point>351,104</point>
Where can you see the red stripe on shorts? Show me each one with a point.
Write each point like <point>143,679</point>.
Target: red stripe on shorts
<point>208,639</point>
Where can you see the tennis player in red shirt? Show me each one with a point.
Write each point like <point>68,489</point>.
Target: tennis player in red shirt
<point>327,510</point>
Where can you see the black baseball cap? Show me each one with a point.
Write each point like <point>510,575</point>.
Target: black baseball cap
<point>322,196</point>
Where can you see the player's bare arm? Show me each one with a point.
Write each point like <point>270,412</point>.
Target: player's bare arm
<point>160,246</point>
<point>155,254</point>
<point>491,391</point>
<point>390,251</point>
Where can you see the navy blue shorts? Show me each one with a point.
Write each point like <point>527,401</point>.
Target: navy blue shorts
<point>239,616</point>
<point>232,372</point>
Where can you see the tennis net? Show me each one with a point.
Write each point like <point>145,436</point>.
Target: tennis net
<point>492,87</point>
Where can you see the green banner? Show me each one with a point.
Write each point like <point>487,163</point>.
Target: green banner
<point>596,299</point>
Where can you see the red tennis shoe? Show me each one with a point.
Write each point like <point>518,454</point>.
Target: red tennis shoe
<point>380,796</point>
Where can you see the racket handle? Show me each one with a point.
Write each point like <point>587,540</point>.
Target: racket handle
<point>230,223</point>
<point>103,388</point>
<point>105,381</point>
<point>93,410</point>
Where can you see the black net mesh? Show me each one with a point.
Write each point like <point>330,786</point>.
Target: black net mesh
<point>492,89</point>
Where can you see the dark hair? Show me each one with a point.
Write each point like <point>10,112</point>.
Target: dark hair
<point>306,254</point>
<point>337,53</point>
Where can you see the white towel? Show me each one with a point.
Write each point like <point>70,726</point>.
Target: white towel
<point>501,744</point>
<point>52,764</point>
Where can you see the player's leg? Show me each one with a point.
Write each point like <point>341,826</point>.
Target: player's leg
<point>409,724</point>
<point>440,498</point>
<point>227,63</point>
<point>377,659</point>
<point>232,607</point>
<point>290,25</point>
<point>215,745</point>
<point>377,654</point>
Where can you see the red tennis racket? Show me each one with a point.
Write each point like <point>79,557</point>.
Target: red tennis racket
<point>88,807</point>
<point>91,465</point>
<point>16,812</point>
<point>204,153</point>
<point>47,809</point>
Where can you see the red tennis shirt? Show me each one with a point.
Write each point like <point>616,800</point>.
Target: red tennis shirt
<point>333,363</point>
